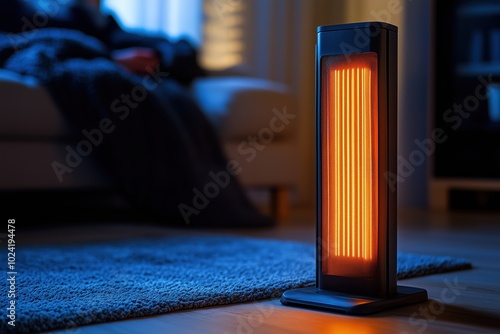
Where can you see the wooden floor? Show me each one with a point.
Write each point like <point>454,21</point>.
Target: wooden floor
<point>460,302</point>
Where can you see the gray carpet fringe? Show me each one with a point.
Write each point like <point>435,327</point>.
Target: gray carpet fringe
<point>67,286</point>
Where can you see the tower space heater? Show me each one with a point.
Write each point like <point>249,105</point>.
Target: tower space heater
<point>356,125</point>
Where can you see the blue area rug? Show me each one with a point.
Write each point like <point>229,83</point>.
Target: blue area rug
<point>67,286</point>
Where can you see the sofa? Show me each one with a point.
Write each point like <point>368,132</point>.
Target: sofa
<point>253,117</point>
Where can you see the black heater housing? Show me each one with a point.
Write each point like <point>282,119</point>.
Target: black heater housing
<point>371,91</point>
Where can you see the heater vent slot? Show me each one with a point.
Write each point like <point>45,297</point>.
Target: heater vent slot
<point>349,142</point>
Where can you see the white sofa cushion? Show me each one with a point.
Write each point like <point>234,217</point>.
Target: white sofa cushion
<point>276,165</point>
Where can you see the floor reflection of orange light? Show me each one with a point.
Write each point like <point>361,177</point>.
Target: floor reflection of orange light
<point>347,326</point>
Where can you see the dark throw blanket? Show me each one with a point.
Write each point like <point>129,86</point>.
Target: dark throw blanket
<point>144,129</point>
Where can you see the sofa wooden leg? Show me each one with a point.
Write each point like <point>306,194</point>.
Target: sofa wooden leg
<point>280,202</point>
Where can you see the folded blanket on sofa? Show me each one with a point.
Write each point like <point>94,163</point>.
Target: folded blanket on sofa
<point>144,129</point>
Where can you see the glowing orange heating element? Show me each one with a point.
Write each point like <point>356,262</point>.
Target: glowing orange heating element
<point>349,165</point>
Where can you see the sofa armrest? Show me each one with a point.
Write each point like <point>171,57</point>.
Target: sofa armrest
<point>239,107</point>
<point>27,109</point>
<point>9,77</point>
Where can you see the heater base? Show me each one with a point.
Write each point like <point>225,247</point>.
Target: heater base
<point>351,304</point>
